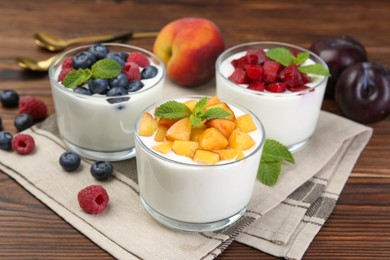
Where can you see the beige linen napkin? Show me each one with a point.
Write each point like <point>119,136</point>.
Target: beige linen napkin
<point>281,220</point>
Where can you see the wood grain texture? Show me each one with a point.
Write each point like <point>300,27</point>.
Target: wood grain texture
<point>359,227</point>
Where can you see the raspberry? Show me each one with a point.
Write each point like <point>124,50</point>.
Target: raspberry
<point>139,58</point>
<point>23,144</point>
<point>63,73</point>
<point>131,70</point>
<point>34,107</point>
<point>93,199</point>
<point>239,76</point>
<point>67,64</point>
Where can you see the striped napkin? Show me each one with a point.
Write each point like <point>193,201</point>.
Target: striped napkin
<point>280,220</point>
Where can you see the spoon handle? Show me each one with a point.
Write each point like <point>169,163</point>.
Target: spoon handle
<point>112,38</point>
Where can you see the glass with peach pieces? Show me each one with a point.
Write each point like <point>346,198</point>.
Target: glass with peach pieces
<point>282,84</point>
<point>197,161</point>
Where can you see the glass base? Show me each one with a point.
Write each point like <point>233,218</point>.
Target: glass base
<point>101,156</point>
<point>296,147</point>
<point>188,226</point>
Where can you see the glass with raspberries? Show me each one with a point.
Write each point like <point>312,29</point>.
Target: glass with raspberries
<point>98,91</point>
<point>282,84</point>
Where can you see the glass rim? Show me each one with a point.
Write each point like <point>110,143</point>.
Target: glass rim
<point>61,87</point>
<point>151,151</point>
<point>221,58</point>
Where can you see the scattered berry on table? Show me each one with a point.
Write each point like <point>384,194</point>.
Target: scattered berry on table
<point>101,170</point>
<point>23,144</point>
<point>149,72</point>
<point>99,51</point>
<point>34,107</point>
<point>70,161</point>
<point>9,98</point>
<point>83,60</point>
<point>23,121</point>
<point>5,140</point>
<point>93,199</point>
<point>139,58</point>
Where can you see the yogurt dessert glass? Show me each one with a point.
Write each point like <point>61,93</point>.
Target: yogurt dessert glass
<point>289,116</point>
<point>184,193</point>
<point>99,125</point>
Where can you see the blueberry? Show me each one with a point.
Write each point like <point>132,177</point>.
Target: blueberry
<point>124,55</point>
<point>70,161</point>
<point>82,90</point>
<point>119,81</point>
<point>118,100</point>
<point>5,140</point>
<point>82,60</point>
<point>149,72</point>
<point>9,98</point>
<point>135,85</point>
<point>101,170</point>
<point>23,121</point>
<point>99,51</point>
<point>116,56</point>
<point>98,86</point>
<point>117,91</point>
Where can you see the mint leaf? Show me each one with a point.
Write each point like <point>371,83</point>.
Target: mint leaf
<point>316,69</point>
<point>77,77</point>
<point>173,110</point>
<point>200,105</point>
<point>195,120</point>
<point>269,173</point>
<point>106,69</point>
<point>281,55</point>
<point>301,58</point>
<point>215,112</point>
<point>274,153</point>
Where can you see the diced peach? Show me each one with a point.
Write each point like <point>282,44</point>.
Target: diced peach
<point>147,125</point>
<point>166,121</point>
<point>213,100</point>
<point>240,140</point>
<point>164,147</point>
<point>196,131</point>
<point>227,154</point>
<point>181,130</point>
<point>191,104</point>
<point>161,132</point>
<point>245,123</point>
<point>185,148</point>
<point>212,139</point>
<point>225,106</point>
<point>225,126</point>
<point>240,156</point>
<point>206,157</point>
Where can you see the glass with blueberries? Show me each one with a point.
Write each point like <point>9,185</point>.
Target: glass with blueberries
<point>98,91</point>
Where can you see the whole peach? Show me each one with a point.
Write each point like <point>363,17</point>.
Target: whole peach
<point>189,48</point>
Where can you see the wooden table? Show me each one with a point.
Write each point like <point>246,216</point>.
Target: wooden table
<point>359,227</point>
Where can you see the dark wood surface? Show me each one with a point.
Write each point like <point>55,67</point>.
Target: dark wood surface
<point>359,227</point>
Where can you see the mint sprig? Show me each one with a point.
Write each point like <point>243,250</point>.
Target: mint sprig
<point>274,154</point>
<point>286,58</point>
<point>177,110</point>
<point>104,69</point>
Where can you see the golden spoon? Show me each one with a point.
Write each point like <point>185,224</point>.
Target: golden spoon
<point>53,43</point>
<point>35,65</point>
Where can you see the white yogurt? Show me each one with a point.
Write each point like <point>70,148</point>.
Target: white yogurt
<point>186,195</point>
<point>95,128</point>
<point>289,117</point>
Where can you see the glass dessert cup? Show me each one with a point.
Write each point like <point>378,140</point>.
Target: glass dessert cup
<point>289,117</point>
<point>101,127</point>
<point>189,196</point>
